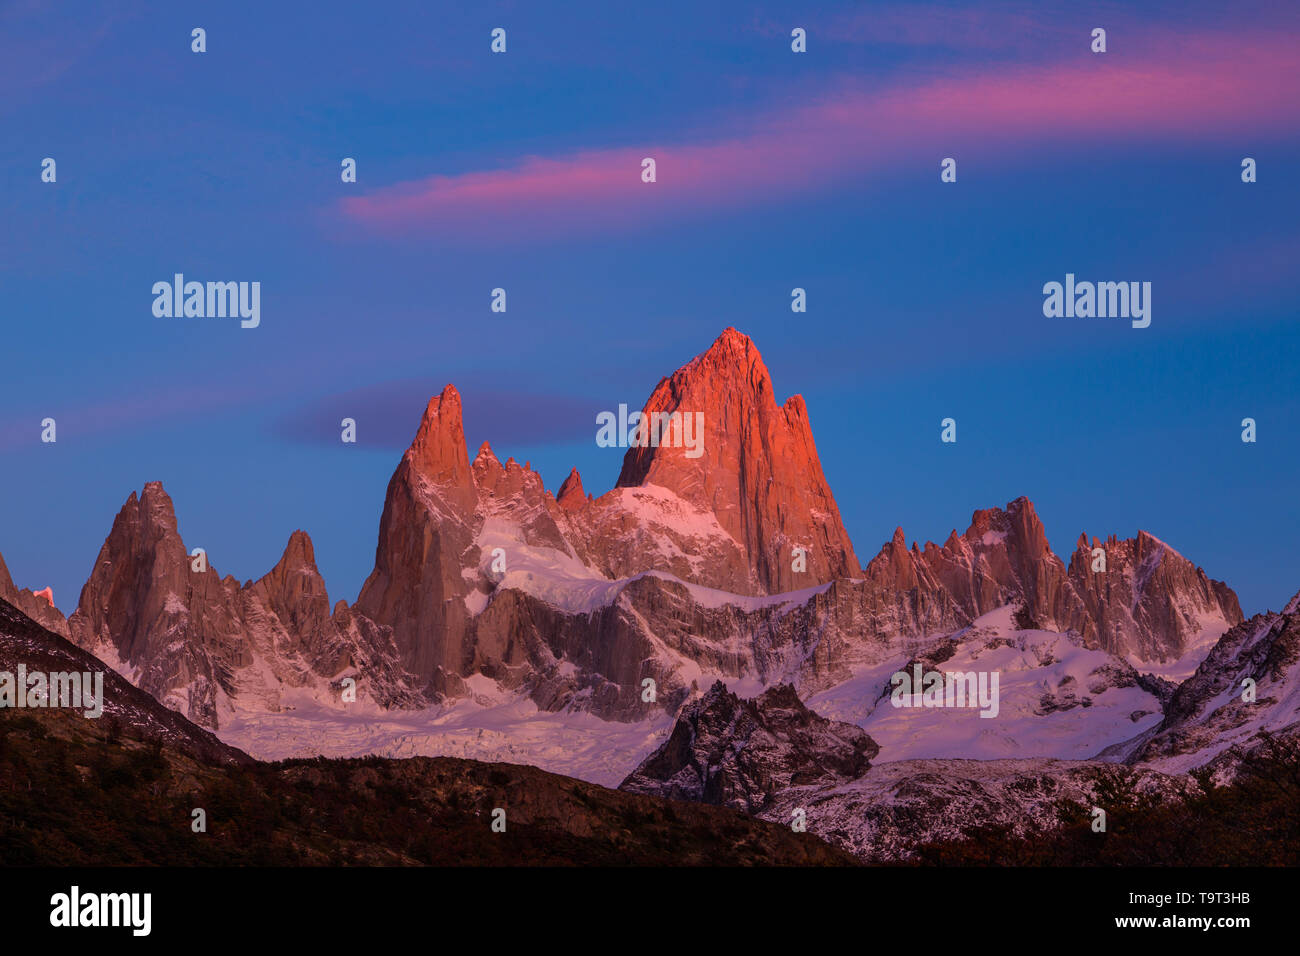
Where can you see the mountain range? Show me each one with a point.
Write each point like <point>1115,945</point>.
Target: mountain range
<point>704,630</point>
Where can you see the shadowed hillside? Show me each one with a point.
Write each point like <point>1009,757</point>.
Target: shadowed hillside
<point>121,790</point>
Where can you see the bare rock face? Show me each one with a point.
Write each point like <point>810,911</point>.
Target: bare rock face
<point>1150,602</point>
<point>145,611</point>
<point>296,639</point>
<point>1002,558</point>
<point>758,475</point>
<point>627,531</point>
<point>1007,551</point>
<point>571,495</point>
<point>37,605</point>
<point>438,452</point>
<point>738,753</point>
<point>293,592</point>
<point>425,539</point>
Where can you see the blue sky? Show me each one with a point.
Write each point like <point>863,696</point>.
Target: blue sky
<point>777,170</point>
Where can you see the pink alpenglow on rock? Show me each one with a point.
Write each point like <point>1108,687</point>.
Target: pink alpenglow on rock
<point>731,565</point>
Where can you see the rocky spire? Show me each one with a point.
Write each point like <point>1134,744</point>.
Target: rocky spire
<point>486,457</point>
<point>146,606</point>
<point>295,591</point>
<point>571,495</point>
<point>727,447</point>
<point>438,453</point>
<point>1150,602</point>
<point>425,533</point>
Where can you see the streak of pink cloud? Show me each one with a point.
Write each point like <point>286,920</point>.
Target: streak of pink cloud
<point>1198,88</point>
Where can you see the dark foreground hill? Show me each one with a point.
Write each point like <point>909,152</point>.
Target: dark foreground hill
<point>122,789</point>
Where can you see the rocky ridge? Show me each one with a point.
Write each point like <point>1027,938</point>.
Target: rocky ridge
<point>685,572</point>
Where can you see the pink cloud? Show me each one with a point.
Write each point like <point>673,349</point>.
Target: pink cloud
<point>1192,89</point>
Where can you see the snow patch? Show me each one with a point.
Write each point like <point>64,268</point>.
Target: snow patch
<point>489,725</point>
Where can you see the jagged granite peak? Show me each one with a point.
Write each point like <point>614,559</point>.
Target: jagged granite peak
<point>729,751</point>
<point>758,472</point>
<point>438,452</point>
<point>571,495</point>
<point>295,593</point>
<point>147,612</point>
<point>1150,605</point>
<point>443,523</point>
<point>495,480</point>
<point>125,602</point>
<point>429,577</point>
<point>201,643</point>
<point>426,533</point>
<point>897,568</point>
<point>1002,558</point>
<point>1005,553</point>
<point>514,508</point>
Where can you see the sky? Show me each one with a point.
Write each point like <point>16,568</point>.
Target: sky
<point>521,170</point>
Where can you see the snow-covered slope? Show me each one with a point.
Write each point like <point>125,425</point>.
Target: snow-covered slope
<point>1248,686</point>
<point>1055,698</point>
<point>489,725</point>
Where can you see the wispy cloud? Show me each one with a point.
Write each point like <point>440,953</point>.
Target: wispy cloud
<point>1198,88</point>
